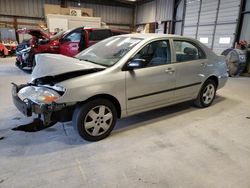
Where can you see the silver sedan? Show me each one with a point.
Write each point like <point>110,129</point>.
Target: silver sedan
<point>119,77</point>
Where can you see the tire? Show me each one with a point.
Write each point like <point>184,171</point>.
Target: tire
<point>94,128</point>
<point>206,95</point>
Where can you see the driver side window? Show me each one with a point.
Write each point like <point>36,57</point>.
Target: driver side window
<point>155,53</point>
<point>74,37</point>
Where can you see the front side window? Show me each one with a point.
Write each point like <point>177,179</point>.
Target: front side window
<point>154,54</point>
<point>74,37</point>
<point>109,51</point>
<point>187,51</point>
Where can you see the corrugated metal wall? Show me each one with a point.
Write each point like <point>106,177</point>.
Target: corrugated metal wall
<point>228,17</point>
<point>191,17</point>
<point>207,20</point>
<point>164,10</point>
<point>245,31</point>
<point>212,21</point>
<point>31,8</point>
<point>34,8</point>
<point>146,13</point>
<point>154,11</point>
<point>109,14</point>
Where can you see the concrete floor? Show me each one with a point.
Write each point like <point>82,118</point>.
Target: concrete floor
<point>179,146</point>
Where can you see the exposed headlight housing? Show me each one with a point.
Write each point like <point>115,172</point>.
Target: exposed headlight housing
<point>39,94</point>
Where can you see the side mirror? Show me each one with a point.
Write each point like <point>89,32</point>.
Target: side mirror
<point>135,64</point>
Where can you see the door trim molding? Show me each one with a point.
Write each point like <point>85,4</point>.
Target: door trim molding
<point>164,91</point>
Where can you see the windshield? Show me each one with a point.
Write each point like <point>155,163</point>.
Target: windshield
<point>109,51</point>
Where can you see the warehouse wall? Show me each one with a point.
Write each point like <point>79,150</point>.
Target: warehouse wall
<point>109,14</point>
<point>154,11</point>
<point>245,31</point>
<point>34,8</point>
<point>31,8</point>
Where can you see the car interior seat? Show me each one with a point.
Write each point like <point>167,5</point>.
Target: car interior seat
<point>190,54</point>
<point>160,56</point>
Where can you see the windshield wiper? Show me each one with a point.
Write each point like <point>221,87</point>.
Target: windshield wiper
<point>86,60</point>
<point>93,62</point>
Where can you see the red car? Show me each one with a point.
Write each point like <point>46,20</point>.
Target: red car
<point>7,48</point>
<point>39,42</point>
<point>76,40</point>
<point>68,43</point>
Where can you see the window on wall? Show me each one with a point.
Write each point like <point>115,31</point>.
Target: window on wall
<point>155,53</point>
<point>187,51</point>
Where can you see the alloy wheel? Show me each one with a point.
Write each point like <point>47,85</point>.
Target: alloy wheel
<point>98,120</point>
<point>208,94</point>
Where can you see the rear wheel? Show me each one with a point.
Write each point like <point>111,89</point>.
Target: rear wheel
<point>95,119</point>
<point>206,95</point>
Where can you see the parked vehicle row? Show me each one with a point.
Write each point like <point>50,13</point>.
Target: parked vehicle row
<point>118,77</point>
<point>7,48</point>
<point>67,43</point>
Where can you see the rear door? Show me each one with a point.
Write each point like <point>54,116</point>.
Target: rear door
<point>190,62</point>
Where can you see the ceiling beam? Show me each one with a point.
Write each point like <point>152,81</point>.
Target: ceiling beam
<point>106,2</point>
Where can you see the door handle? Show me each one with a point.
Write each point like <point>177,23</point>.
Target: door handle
<point>203,64</point>
<point>169,71</point>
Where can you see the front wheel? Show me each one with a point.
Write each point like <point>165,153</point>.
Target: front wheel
<point>206,95</point>
<point>95,119</point>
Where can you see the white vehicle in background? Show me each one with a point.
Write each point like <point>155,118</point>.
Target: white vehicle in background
<point>118,77</point>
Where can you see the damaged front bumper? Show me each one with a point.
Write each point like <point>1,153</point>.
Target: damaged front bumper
<point>53,112</point>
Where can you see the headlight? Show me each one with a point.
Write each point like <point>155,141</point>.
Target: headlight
<point>38,94</point>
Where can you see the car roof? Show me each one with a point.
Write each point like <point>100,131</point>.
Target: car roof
<point>152,36</point>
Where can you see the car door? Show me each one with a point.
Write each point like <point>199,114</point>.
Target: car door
<point>190,62</point>
<point>151,86</point>
<point>69,44</point>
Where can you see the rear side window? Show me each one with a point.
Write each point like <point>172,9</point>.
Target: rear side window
<point>187,51</point>
<point>99,34</point>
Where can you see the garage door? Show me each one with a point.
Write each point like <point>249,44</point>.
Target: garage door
<point>213,22</point>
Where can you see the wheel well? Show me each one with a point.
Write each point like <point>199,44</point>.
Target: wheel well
<point>215,79</point>
<point>110,98</point>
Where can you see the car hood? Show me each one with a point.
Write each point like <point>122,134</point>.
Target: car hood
<point>51,65</point>
<point>33,32</point>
